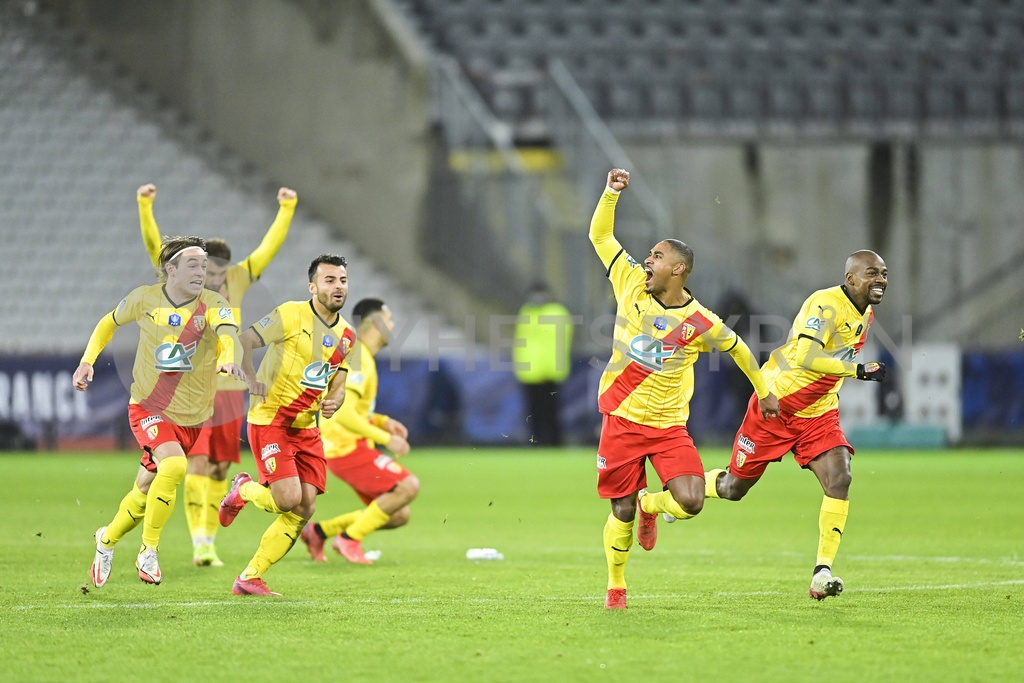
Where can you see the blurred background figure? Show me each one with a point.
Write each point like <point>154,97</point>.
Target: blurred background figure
<point>541,356</point>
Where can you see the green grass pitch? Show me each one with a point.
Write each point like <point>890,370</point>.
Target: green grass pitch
<point>931,558</point>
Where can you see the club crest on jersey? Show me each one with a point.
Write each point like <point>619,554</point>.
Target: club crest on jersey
<point>328,342</point>
<point>153,431</point>
<point>688,331</point>
<point>650,352</point>
<point>815,324</point>
<point>317,374</point>
<point>199,323</point>
<point>661,323</point>
<point>174,357</point>
<point>174,320</point>
<point>741,458</point>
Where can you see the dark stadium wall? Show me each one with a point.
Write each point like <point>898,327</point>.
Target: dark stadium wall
<point>331,98</point>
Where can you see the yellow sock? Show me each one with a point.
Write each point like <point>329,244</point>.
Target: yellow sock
<point>195,500</point>
<point>831,522</point>
<point>335,525</point>
<point>618,539</point>
<point>260,496</point>
<point>160,500</point>
<point>654,503</point>
<point>711,483</point>
<point>277,540</point>
<point>215,492</point>
<point>369,520</point>
<point>129,513</point>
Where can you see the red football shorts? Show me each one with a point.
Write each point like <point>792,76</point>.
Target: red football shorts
<point>152,430</point>
<point>760,441</point>
<point>221,438</point>
<point>624,448</point>
<point>368,471</point>
<point>283,452</point>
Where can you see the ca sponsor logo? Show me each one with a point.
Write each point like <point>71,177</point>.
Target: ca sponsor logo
<point>152,419</point>
<point>633,263</point>
<point>269,450</point>
<point>815,323</point>
<point>745,443</point>
<point>265,321</point>
<point>650,352</point>
<point>602,463</point>
<point>174,357</point>
<point>317,374</point>
<point>224,314</point>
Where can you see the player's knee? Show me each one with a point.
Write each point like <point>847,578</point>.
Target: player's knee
<point>289,502</point>
<point>174,467</point>
<point>409,488</point>
<point>399,518</point>
<point>838,485</point>
<point>624,509</point>
<point>692,506</point>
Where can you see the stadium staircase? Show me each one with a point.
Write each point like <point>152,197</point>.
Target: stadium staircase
<point>76,140</point>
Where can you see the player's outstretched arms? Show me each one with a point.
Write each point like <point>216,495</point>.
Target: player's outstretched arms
<point>82,377</point>
<point>872,372</point>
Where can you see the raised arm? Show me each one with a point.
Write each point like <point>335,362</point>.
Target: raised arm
<point>146,194</point>
<point>602,224</point>
<point>261,257</point>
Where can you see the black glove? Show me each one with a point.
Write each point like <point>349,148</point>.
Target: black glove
<point>874,372</point>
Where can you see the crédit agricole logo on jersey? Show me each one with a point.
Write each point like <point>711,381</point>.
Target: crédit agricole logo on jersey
<point>174,356</point>
<point>317,374</point>
<point>650,352</point>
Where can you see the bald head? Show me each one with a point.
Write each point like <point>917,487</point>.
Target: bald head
<point>859,260</point>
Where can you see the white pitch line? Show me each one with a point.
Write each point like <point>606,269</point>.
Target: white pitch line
<point>409,601</point>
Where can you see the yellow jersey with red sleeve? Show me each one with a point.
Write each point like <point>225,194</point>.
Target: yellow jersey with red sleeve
<point>240,276</point>
<point>808,370</point>
<point>649,378</point>
<point>180,347</point>
<point>303,353</point>
<point>356,419</point>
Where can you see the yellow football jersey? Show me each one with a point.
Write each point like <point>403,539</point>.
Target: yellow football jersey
<point>177,353</point>
<point>356,419</point>
<point>649,378</point>
<point>829,317</point>
<point>304,353</point>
